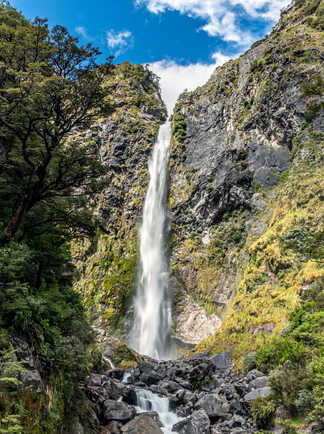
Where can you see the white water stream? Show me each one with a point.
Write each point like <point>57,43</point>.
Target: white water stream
<point>152,320</point>
<point>152,324</point>
<point>148,401</point>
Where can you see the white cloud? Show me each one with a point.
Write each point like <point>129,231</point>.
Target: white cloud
<point>218,14</point>
<point>177,78</point>
<point>83,32</point>
<point>119,41</point>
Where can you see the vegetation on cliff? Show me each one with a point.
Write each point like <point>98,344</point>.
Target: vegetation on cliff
<point>108,263</point>
<point>50,86</point>
<point>254,253</point>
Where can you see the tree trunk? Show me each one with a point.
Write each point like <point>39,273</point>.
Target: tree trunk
<point>12,227</point>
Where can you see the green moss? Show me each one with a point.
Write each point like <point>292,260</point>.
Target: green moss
<point>125,357</point>
<point>179,128</point>
<point>257,65</point>
<point>108,280</point>
<point>315,87</point>
<point>284,259</point>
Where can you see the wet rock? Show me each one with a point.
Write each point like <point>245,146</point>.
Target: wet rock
<point>112,428</point>
<point>95,380</point>
<point>142,424</point>
<point>118,411</point>
<point>197,423</point>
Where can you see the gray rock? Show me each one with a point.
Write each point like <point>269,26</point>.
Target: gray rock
<point>221,360</point>
<point>32,380</point>
<point>259,382</point>
<point>77,428</point>
<point>197,423</point>
<point>142,424</point>
<point>94,379</point>
<point>114,410</point>
<point>254,374</point>
<point>214,406</point>
<point>112,428</point>
<point>257,393</point>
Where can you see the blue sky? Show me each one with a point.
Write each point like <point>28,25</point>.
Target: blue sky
<point>180,38</point>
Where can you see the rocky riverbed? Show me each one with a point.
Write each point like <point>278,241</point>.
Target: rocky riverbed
<point>203,391</point>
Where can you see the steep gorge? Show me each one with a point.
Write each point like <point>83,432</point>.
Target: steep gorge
<point>246,250</point>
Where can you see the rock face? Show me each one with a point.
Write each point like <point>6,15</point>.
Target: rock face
<point>124,141</point>
<point>241,144</point>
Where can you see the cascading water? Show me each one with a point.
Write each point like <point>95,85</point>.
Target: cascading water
<point>152,323</point>
<point>148,401</point>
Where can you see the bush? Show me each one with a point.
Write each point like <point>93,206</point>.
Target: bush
<point>249,362</point>
<point>278,351</point>
<point>263,411</point>
<point>257,65</point>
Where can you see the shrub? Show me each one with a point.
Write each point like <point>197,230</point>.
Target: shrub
<point>316,87</point>
<point>286,382</point>
<point>263,411</point>
<point>257,65</point>
<point>279,350</point>
<point>249,362</point>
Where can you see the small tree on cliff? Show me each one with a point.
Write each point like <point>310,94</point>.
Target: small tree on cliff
<point>50,87</point>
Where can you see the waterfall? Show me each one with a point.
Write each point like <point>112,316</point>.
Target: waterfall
<point>148,401</point>
<point>152,322</point>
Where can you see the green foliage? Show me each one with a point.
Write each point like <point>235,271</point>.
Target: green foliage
<point>278,351</point>
<point>179,128</point>
<point>284,175</point>
<point>257,187</point>
<point>263,411</point>
<point>316,87</point>
<point>125,357</point>
<point>257,65</point>
<point>249,362</point>
<point>312,111</point>
<point>297,358</point>
<point>10,416</point>
<point>307,243</point>
<point>50,87</point>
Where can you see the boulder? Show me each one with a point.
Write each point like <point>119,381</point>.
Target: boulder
<point>259,382</point>
<point>32,380</point>
<point>115,410</point>
<point>215,407</point>
<point>221,360</point>
<point>142,424</point>
<point>263,392</point>
<point>197,423</point>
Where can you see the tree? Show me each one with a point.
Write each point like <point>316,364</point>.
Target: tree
<point>51,91</point>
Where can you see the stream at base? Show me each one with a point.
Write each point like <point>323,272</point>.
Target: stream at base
<point>148,401</point>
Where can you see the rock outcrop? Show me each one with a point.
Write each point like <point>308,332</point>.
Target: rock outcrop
<point>203,391</point>
<point>107,262</point>
<point>245,155</point>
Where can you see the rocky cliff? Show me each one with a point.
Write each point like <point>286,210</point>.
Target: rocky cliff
<point>246,187</point>
<point>107,263</point>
